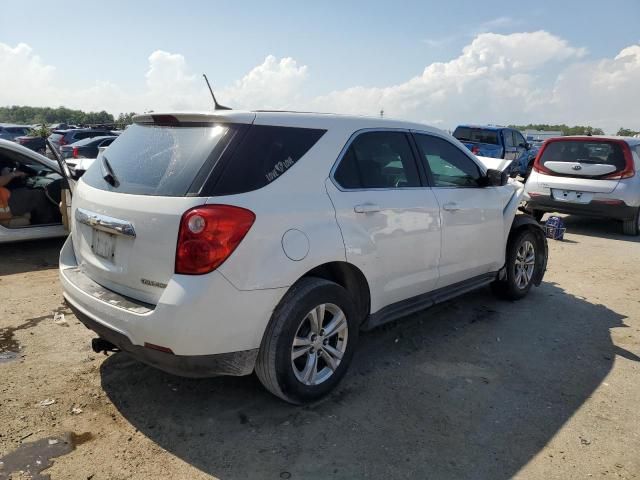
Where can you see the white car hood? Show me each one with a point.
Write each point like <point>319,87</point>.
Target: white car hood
<point>494,163</point>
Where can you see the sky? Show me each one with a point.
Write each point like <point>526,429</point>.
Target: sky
<point>441,63</point>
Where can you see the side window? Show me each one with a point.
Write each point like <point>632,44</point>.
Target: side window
<point>508,138</point>
<point>378,160</point>
<point>449,166</point>
<point>519,139</point>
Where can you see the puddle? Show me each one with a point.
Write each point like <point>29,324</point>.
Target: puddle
<point>34,457</point>
<point>10,347</point>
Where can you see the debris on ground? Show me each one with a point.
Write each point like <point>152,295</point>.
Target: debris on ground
<point>58,319</point>
<point>46,402</point>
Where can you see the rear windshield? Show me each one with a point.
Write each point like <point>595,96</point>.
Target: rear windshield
<point>479,135</point>
<point>54,137</point>
<point>584,152</point>
<point>154,160</point>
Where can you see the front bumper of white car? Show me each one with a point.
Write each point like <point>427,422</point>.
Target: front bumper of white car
<point>202,325</point>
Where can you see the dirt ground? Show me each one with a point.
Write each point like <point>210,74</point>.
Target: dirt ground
<point>548,387</point>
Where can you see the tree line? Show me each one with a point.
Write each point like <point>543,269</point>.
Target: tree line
<point>575,130</point>
<point>565,129</point>
<point>47,115</point>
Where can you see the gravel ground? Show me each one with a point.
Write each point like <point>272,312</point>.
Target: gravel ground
<point>475,388</point>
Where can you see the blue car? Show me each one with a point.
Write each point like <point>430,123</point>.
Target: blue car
<point>498,142</point>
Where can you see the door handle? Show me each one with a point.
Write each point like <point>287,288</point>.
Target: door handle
<point>366,208</point>
<point>451,207</point>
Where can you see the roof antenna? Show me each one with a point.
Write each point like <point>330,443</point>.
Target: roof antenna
<point>216,105</point>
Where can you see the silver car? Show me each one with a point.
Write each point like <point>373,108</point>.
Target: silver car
<point>594,176</point>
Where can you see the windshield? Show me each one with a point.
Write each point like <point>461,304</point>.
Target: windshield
<point>154,160</point>
<point>479,135</point>
<point>584,152</point>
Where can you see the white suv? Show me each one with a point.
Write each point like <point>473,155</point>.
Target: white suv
<point>594,176</point>
<point>220,244</point>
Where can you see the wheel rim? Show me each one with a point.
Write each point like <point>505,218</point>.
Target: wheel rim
<point>319,344</point>
<point>525,264</point>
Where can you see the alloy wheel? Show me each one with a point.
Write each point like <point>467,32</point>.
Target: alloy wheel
<point>319,344</point>
<point>525,264</point>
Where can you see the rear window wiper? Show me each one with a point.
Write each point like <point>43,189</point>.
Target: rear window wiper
<point>108,173</point>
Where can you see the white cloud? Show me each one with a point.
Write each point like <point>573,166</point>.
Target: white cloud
<point>517,78</point>
<point>273,84</point>
<point>497,23</point>
<point>492,80</point>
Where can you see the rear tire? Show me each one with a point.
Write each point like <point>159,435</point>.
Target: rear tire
<point>522,260</point>
<point>632,226</point>
<point>301,360</point>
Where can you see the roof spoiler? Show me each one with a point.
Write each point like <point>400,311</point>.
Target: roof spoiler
<point>193,119</point>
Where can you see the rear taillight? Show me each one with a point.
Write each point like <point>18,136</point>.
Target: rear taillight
<point>537,166</point>
<point>75,152</point>
<point>208,235</point>
<point>629,170</point>
<point>62,141</point>
<point>475,150</point>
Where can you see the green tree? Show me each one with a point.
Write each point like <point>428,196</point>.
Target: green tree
<point>125,119</point>
<point>48,115</point>
<point>625,132</point>
<point>565,129</point>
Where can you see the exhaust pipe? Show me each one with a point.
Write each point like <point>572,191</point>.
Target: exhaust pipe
<point>100,345</point>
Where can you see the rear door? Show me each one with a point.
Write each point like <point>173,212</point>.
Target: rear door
<point>576,168</point>
<point>471,215</point>
<point>127,207</point>
<point>389,221</point>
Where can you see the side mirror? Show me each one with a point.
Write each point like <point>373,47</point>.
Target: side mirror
<point>525,145</point>
<point>495,178</point>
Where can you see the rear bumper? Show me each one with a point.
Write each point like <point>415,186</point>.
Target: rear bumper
<point>195,366</point>
<point>211,327</point>
<point>592,209</point>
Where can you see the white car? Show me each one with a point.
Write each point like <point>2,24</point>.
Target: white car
<point>41,172</point>
<point>223,243</point>
<point>593,176</point>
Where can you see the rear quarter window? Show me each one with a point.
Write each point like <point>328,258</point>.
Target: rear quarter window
<point>263,155</point>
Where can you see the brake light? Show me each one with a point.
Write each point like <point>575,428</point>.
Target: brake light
<point>208,236</point>
<point>537,166</point>
<point>75,152</point>
<point>475,150</point>
<point>629,170</point>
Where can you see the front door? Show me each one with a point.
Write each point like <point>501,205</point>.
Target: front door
<point>389,222</point>
<point>471,215</point>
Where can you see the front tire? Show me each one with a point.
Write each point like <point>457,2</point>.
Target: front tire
<point>522,261</point>
<point>309,342</point>
<point>632,226</point>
